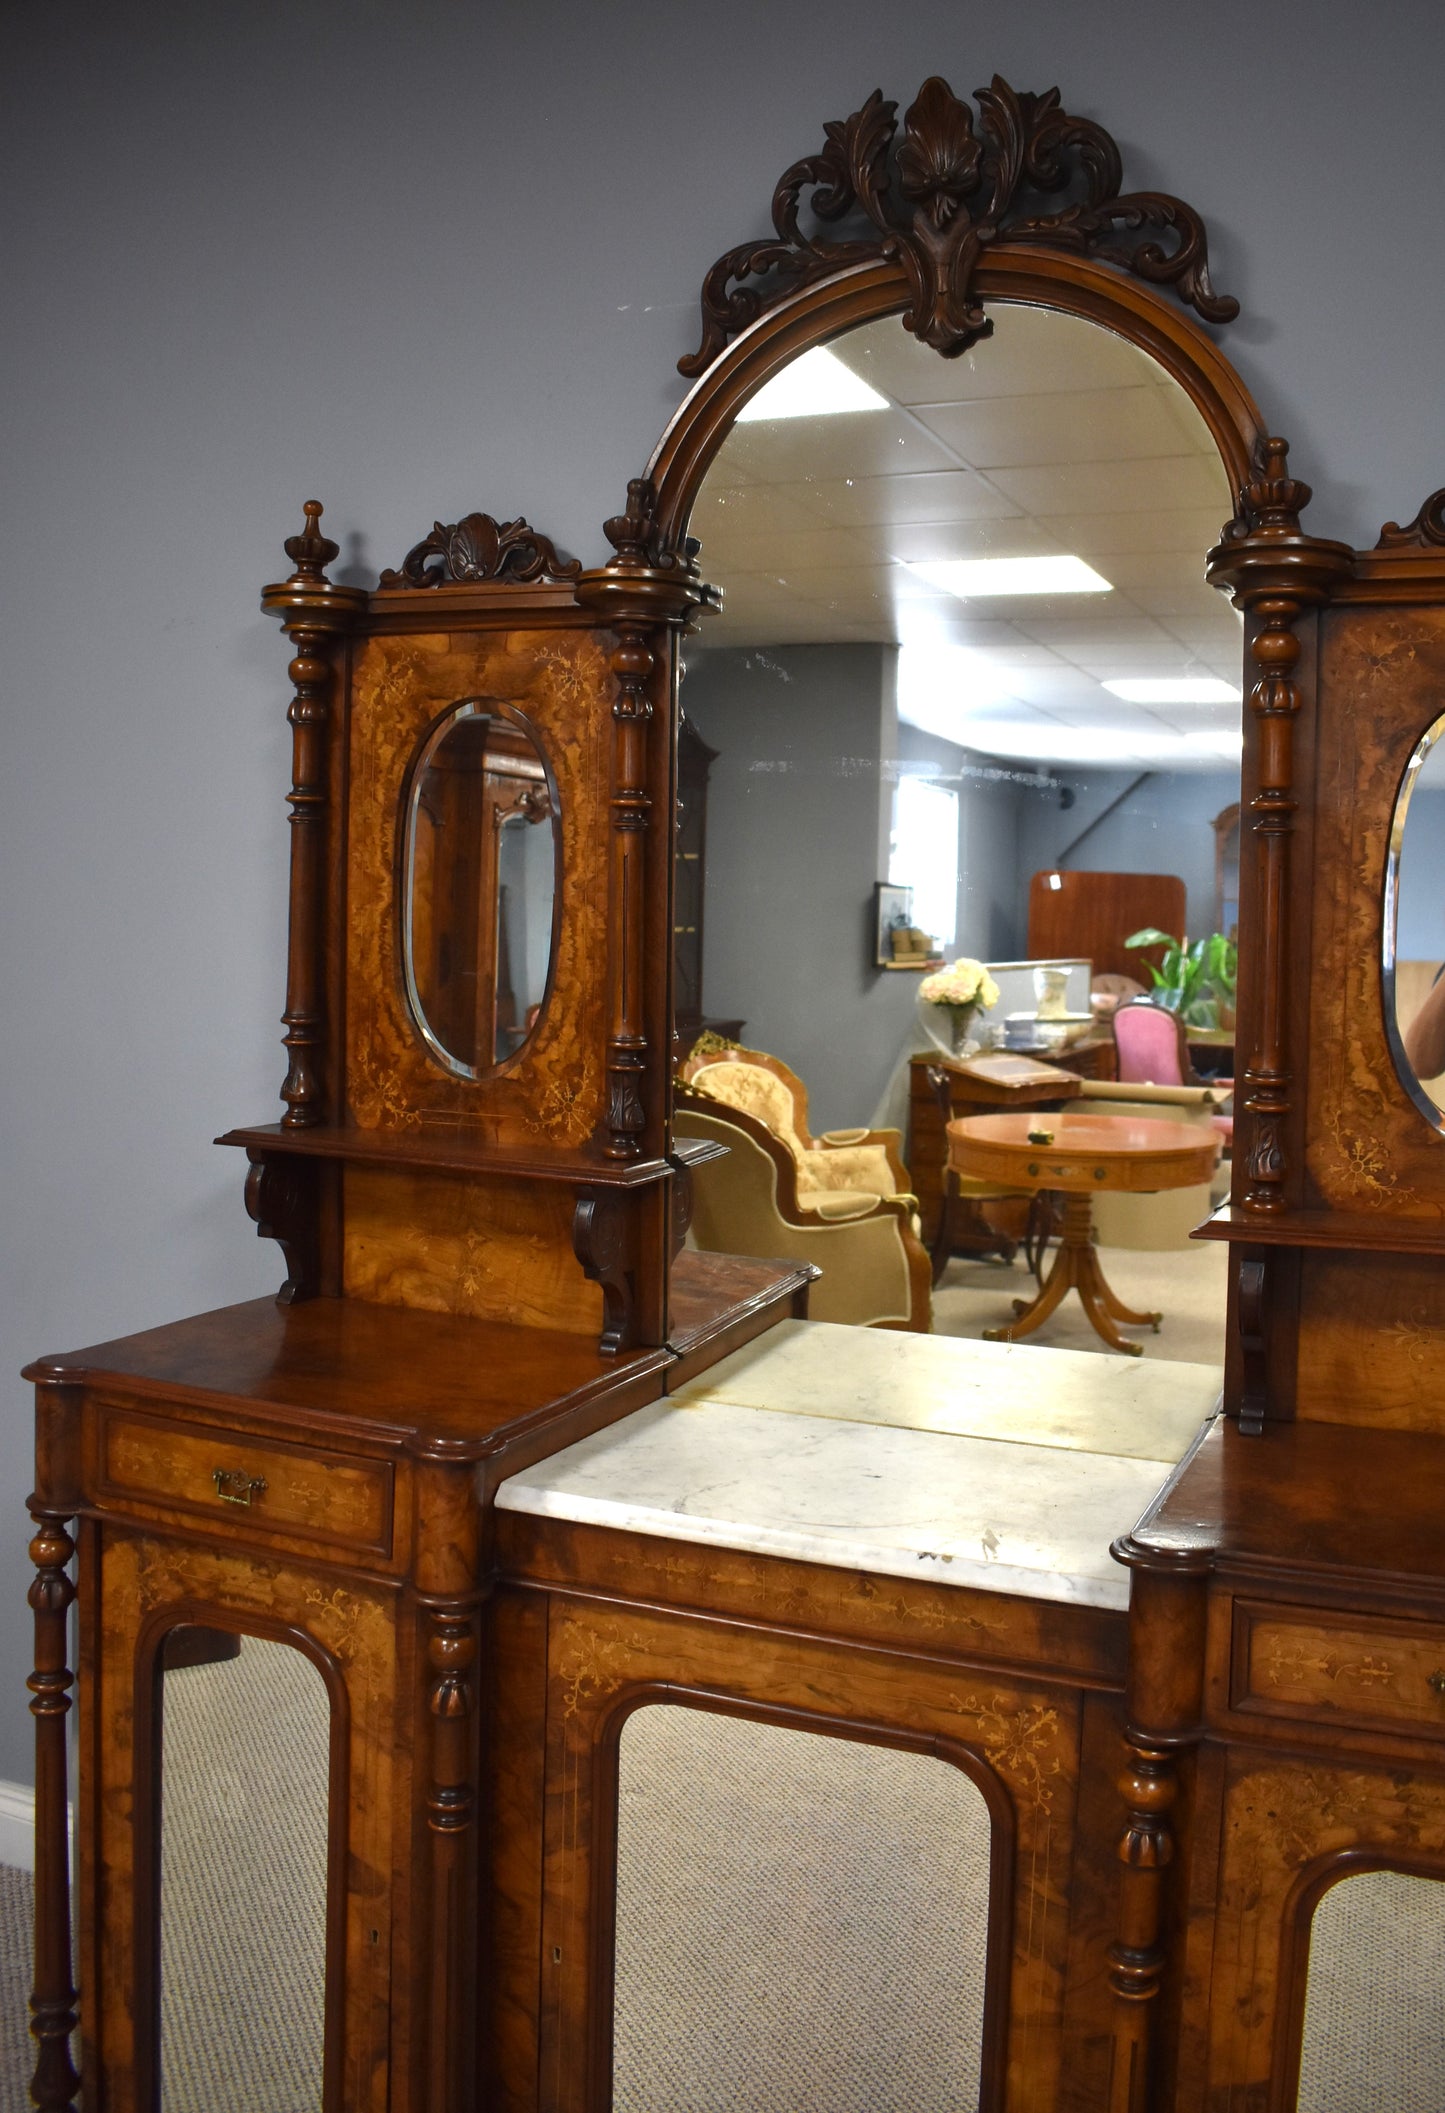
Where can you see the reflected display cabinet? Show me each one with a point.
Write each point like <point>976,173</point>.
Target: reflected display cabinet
<point>483,1217</point>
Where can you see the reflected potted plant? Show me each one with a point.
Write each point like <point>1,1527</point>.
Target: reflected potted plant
<point>1198,982</point>
<point>950,999</point>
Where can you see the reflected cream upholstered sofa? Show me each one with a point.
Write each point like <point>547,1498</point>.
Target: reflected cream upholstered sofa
<point>863,1162</point>
<point>875,1270</point>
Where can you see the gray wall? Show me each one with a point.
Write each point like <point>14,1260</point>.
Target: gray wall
<point>412,260</point>
<point>1163,827</point>
<point>797,821</point>
<point>792,855</point>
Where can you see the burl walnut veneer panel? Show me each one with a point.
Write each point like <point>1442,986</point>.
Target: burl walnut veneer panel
<point>445,1243</point>
<point>552,1092</point>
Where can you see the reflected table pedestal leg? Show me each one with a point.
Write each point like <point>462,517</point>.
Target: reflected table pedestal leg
<point>1076,1268</point>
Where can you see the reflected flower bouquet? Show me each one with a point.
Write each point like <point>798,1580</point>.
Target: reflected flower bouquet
<point>963,982</point>
<point>948,1000</point>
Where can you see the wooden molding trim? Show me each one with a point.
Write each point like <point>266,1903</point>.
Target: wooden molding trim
<point>935,198</point>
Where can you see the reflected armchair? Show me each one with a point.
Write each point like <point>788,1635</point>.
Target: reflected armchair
<point>875,1269</point>
<point>864,1162</point>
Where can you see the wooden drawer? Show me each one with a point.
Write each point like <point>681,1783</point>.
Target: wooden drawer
<point>1311,1664</point>
<point>261,1484</point>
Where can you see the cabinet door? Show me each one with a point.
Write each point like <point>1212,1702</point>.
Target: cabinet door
<point>239,1787</point>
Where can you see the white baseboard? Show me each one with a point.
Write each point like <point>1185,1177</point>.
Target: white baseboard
<point>17,1825</point>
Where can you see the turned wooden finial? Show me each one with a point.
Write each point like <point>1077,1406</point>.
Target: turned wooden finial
<point>311,552</point>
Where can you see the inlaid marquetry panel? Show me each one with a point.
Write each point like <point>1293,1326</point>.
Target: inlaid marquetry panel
<point>1288,1829</point>
<point>1019,1740</point>
<point>551,1094</point>
<point>494,1250</point>
<point>1315,1665</point>
<point>1382,674</point>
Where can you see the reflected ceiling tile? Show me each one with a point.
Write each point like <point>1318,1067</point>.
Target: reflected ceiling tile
<point>1119,487</point>
<point>931,495</point>
<point>1031,351</point>
<point>1072,633</point>
<point>825,450</point>
<point>762,551</point>
<point>1094,534</point>
<point>750,509</point>
<point>1095,425</point>
<point>1013,536</point>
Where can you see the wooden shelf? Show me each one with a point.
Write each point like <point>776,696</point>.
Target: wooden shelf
<point>1317,1228</point>
<point>455,1153</point>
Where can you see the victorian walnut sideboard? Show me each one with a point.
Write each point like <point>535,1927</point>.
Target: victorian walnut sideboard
<point>483,1212</point>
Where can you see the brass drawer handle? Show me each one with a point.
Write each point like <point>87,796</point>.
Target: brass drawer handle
<point>1437,1681</point>
<point>235,1486</point>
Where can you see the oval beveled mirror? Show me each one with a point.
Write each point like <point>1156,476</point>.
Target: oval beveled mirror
<point>1414,927</point>
<point>479,885</point>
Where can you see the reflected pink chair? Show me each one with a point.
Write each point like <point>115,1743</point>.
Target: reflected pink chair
<point>1154,1051</point>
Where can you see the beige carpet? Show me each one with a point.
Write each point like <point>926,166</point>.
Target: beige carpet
<point>1185,1284</point>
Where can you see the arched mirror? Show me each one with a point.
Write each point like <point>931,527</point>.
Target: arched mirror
<point>479,885</point>
<point>1414,928</point>
<point>802,1921</point>
<point>244,1786</point>
<point>969,700</point>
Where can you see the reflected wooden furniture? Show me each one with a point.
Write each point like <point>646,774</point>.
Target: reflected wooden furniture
<point>975,1086</point>
<point>1078,1155</point>
<point>1094,913</point>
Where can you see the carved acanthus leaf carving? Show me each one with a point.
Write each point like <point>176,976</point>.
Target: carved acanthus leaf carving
<point>480,548</point>
<point>1427,528</point>
<point>936,199</point>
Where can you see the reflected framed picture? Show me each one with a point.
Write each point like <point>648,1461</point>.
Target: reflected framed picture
<point>896,941</point>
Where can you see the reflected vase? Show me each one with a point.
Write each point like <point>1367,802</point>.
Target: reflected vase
<point>950,1027</point>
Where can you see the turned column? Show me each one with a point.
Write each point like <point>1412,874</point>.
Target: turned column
<point>315,615</point>
<point>1165,1702</point>
<point>53,1507</point>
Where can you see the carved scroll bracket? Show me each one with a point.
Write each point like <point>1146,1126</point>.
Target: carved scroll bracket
<point>648,588</point>
<point>314,613</point>
<point>933,199</point>
<point>1275,573</point>
<point>283,1202</point>
<point>481,548</point>
<point>603,1241</point>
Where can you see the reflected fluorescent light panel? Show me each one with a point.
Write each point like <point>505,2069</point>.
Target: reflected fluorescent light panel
<point>939,686</point>
<point>1182,689</point>
<point>970,578</point>
<point>816,385</point>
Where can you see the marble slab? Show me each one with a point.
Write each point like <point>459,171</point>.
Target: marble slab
<point>1036,1520</point>
<point>1024,1393</point>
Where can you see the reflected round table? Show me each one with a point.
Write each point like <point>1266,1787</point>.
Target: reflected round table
<point>1079,1155</point>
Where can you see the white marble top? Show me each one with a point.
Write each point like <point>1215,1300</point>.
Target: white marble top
<point>1139,1408</point>
<point>970,1463</point>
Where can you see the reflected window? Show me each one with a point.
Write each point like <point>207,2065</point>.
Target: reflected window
<point>478,886</point>
<point>244,1783</point>
<point>924,855</point>
<point>802,1921</point>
